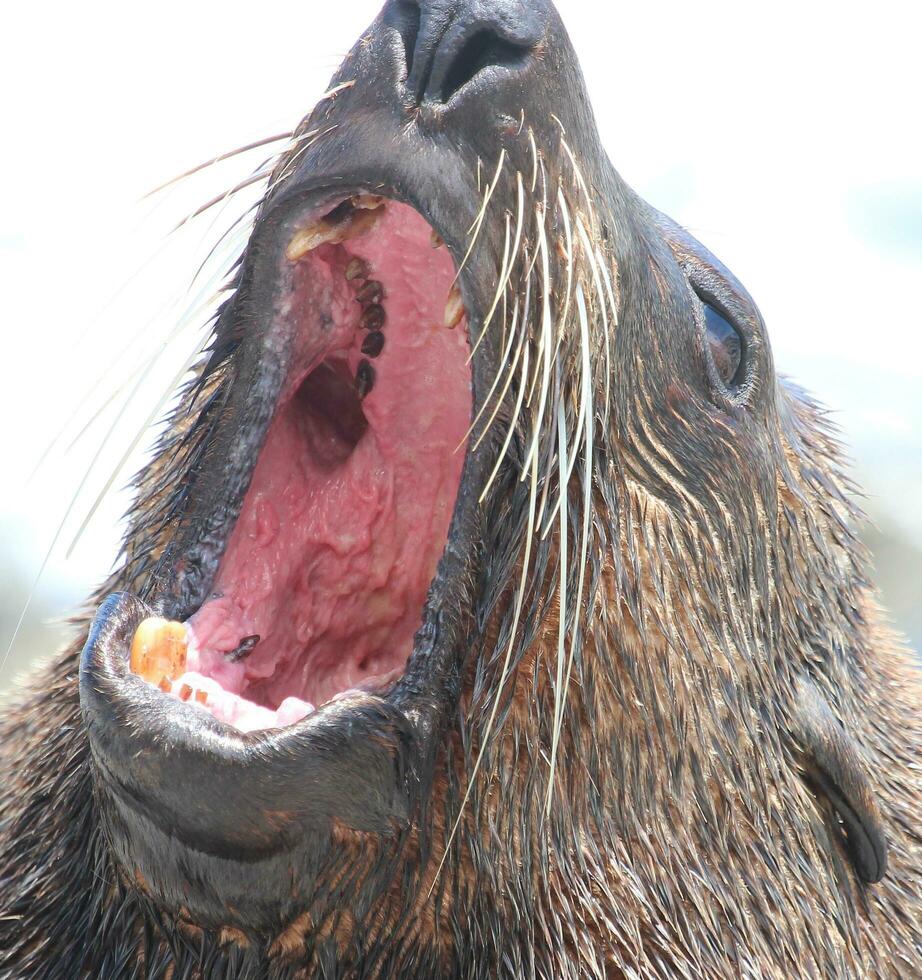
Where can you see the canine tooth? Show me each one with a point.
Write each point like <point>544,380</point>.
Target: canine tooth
<point>357,269</point>
<point>373,318</point>
<point>373,344</point>
<point>158,650</point>
<point>436,239</point>
<point>371,292</point>
<point>364,379</point>
<point>330,232</point>
<point>454,308</point>
<point>307,239</point>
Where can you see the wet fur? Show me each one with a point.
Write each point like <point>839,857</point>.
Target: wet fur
<point>686,832</point>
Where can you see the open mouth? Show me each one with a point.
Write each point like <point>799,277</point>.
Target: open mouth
<point>324,577</point>
<point>297,646</point>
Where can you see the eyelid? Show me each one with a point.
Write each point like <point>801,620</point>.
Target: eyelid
<point>723,336</point>
<point>735,391</point>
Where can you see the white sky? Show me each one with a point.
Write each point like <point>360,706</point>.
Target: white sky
<point>784,135</point>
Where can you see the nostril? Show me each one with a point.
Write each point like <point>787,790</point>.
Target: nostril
<point>449,43</point>
<point>483,49</point>
<point>406,21</point>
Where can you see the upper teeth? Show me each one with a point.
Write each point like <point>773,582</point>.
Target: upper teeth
<point>362,217</point>
<point>454,308</point>
<point>368,202</point>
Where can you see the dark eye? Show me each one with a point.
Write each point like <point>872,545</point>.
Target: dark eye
<point>726,346</point>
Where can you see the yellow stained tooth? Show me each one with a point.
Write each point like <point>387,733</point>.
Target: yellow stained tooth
<point>454,308</point>
<point>307,239</point>
<point>436,239</point>
<point>368,202</point>
<point>331,232</point>
<point>158,650</point>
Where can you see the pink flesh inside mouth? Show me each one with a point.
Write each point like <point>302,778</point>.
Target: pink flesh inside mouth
<point>349,508</point>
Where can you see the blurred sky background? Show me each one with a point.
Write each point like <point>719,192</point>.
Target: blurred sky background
<point>786,136</point>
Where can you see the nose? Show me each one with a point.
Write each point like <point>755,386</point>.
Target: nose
<point>450,42</point>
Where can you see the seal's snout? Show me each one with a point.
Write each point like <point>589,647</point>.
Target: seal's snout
<point>450,43</point>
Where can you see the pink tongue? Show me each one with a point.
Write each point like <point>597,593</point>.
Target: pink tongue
<point>332,556</point>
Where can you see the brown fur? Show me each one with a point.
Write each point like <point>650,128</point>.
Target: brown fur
<point>684,836</point>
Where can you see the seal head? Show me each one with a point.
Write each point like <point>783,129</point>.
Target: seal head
<point>490,606</point>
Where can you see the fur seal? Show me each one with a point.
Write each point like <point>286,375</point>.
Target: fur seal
<point>490,608</point>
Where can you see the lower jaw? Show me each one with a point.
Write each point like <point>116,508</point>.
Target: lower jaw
<point>324,578</point>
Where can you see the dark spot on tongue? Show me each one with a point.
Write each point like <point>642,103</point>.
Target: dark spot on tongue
<point>246,646</point>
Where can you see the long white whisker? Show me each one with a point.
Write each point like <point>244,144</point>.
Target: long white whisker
<point>60,528</point>
<point>485,737</point>
<point>499,292</point>
<point>586,412</point>
<point>505,447</point>
<point>579,179</point>
<point>218,159</point>
<point>534,156</point>
<point>142,431</point>
<point>546,329</point>
<point>568,253</point>
<point>504,360</point>
<point>561,595</point>
<point>307,140</point>
<point>508,262</point>
<point>474,229</point>
<point>609,289</point>
<point>597,283</point>
<point>220,198</point>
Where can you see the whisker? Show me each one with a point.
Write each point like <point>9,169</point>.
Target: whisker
<point>142,431</point>
<point>485,737</point>
<point>218,199</point>
<point>307,140</point>
<point>546,328</point>
<point>586,412</point>
<point>220,158</point>
<point>499,292</point>
<point>561,596</point>
<point>475,228</point>
<point>509,434</point>
<point>503,361</point>
<point>603,306</point>
<point>507,267</point>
